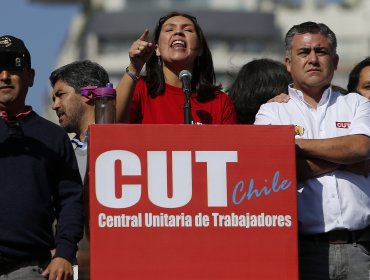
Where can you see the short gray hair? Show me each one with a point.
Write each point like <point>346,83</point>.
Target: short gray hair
<point>309,27</point>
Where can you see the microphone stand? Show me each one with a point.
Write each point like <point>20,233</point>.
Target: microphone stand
<point>185,77</point>
<point>187,108</point>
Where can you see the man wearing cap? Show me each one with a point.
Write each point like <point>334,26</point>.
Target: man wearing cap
<point>40,181</point>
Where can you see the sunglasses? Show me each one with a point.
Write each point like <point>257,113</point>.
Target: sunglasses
<point>13,61</point>
<point>164,18</point>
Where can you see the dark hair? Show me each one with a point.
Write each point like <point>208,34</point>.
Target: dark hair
<point>80,74</point>
<point>203,75</point>
<point>257,81</point>
<point>354,75</point>
<point>309,27</point>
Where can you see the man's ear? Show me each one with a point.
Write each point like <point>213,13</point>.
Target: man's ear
<point>30,76</point>
<point>336,61</point>
<point>88,101</point>
<point>85,99</point>
<point>287,63</point>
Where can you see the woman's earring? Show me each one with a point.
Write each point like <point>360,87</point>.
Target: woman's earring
<point>159,61</point>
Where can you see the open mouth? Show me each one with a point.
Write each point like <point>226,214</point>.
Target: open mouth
<point>60,116</point>
<point>178,44</point>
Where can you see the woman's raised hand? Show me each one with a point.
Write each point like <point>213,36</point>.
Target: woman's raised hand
<point>140,52</point>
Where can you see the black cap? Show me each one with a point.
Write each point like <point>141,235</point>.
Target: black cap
<point>13,53</point>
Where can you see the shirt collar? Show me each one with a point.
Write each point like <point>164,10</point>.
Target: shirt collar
<point>81,144</point>
<point>297,94</point>
<point>4,115</point>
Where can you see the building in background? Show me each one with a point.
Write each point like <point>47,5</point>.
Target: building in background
<point>237,30</point>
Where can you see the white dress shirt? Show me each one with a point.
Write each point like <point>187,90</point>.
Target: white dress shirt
<point>338,199</point>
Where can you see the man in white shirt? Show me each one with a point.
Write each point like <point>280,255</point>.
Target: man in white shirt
<point>333,149</point>
<point>76,111</point>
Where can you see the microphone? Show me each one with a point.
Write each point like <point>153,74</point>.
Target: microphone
<point>185,77</point>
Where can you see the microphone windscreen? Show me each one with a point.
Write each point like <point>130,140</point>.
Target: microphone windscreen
<point>184,73</point>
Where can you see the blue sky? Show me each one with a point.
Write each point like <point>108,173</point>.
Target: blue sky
<point>43,28</point>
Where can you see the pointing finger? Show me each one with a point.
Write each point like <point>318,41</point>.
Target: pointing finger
<point>144,36</point>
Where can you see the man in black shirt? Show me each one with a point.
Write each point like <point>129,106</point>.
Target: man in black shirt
<point>40,181</point>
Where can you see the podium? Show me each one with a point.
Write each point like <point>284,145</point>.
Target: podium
<point>192,202</point>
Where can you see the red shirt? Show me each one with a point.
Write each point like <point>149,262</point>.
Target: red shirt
<point>169,107</point>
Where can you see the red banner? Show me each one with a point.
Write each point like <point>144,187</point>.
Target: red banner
<point>192,202</point>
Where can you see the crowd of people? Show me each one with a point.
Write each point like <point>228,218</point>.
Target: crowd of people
<point>43,171</point>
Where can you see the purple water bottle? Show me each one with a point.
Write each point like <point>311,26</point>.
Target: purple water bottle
<point>105,104</point>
